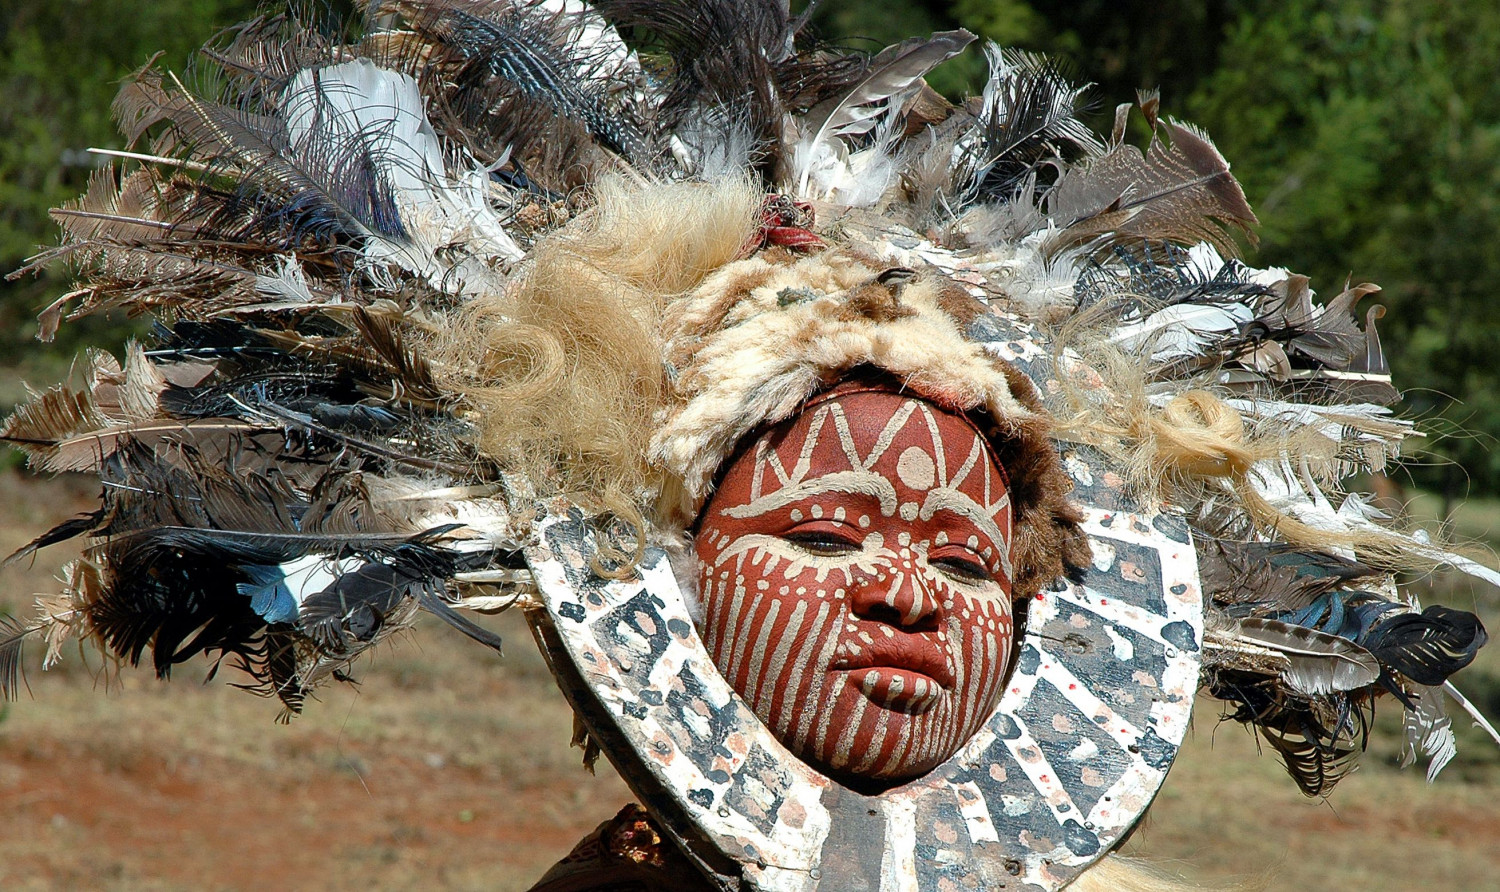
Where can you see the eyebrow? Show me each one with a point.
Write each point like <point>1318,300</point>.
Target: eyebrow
<point>865,483</point>
<point>947,499</point>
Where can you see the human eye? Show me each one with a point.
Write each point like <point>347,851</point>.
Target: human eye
<point>824,539</point>
<point>961,564</point>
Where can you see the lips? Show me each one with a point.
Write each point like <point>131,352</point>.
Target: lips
<point>903,672</point>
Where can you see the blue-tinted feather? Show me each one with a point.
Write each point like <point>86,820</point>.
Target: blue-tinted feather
<point>269,596</point>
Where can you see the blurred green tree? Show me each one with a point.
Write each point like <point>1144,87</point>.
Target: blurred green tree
<point>1367,134</point>
<point>61,62</point>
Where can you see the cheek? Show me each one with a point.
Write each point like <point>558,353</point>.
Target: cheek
<point>771,632</point>
<point>983,633</point>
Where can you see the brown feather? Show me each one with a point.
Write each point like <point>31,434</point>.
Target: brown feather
<point>1182,192</point>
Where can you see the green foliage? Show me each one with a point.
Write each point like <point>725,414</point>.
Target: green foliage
<point>1367,135</point>
<point>61,62</point>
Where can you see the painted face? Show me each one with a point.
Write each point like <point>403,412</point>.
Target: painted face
<point>855,571</point>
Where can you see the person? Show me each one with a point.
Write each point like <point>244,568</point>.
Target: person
<point>880,482</point>
<point>855,569</point>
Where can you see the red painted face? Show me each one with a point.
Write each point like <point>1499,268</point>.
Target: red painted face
<point>854,566</point>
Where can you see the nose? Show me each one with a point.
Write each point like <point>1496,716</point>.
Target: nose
<point>897,596</point>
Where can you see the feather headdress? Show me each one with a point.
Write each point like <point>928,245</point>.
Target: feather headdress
<point>410,284</point>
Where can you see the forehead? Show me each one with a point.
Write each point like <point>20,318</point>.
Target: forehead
<point>909,441</point>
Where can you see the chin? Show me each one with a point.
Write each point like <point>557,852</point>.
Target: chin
<point>868,743</point>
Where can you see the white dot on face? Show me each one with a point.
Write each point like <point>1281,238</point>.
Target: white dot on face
<point>909,511</point>
<point>864,521</point>
<point>784,590</point>
<point>762,585</point>
<point>941,538</point>
<point>838,513</point>
<point>903,539</point>
<point>916,469</point>
<point>796,514</point>
<point>973,542</point>
<point>817,511</point>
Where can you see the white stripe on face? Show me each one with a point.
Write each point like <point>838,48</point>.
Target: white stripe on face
<point>860,602</point>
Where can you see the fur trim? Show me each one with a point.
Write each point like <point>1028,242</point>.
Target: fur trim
<point>759,338</point>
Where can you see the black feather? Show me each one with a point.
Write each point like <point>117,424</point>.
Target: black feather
<point>13,634</point>
<point>434,604</point>
<point>1318,739</point>
<point>1028,128</point>
<point>252,547</point>
<point>355,607</point>
<point>326,186</point>
<point>158,599</point>
<point>1427,647</point>
<point>1158,275</point>
<point>723,53</point>
<point>530,49</point>
<point>64,531</point>
<point>1315,759</point>
<point>1272,577</point>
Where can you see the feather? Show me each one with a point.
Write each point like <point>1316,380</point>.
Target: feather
<point>893,72</point>
<point>1427,647</point>
<point>437,607</point>
<point>13,635</point>
<point>1027,119</point>
<point>1472,710</point>
<point>1181,330</point>
<point>1315,763</point>
<point>861,178</point>
<point>1182,193</point>
<point>1153,275</point>
<point>1150,103</point>
<point>1278,576</point>
<point>69,429</point>
<point>1317,663</point>
<point>355,605</point>
<point>551,55</point>
<point>320,187</point>
<point>74,526</point>
<point>713,143</point>
<point>358,115</point>
<point>288,284</point>
<point>723,53</point>
<point>48,419</point>
<point>1429,731</point>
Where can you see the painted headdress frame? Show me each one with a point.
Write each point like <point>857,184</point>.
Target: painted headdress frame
<point>1088,724</point>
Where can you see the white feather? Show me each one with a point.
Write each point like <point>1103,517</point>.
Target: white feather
<point>1182,329</point>
<point>288,284</point>
<point>1429,730</point>
<point>861,178</point>
<point>1472,710</point>
<point>597,39</point>
<point>712,144</point>
<point>445,216</point>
